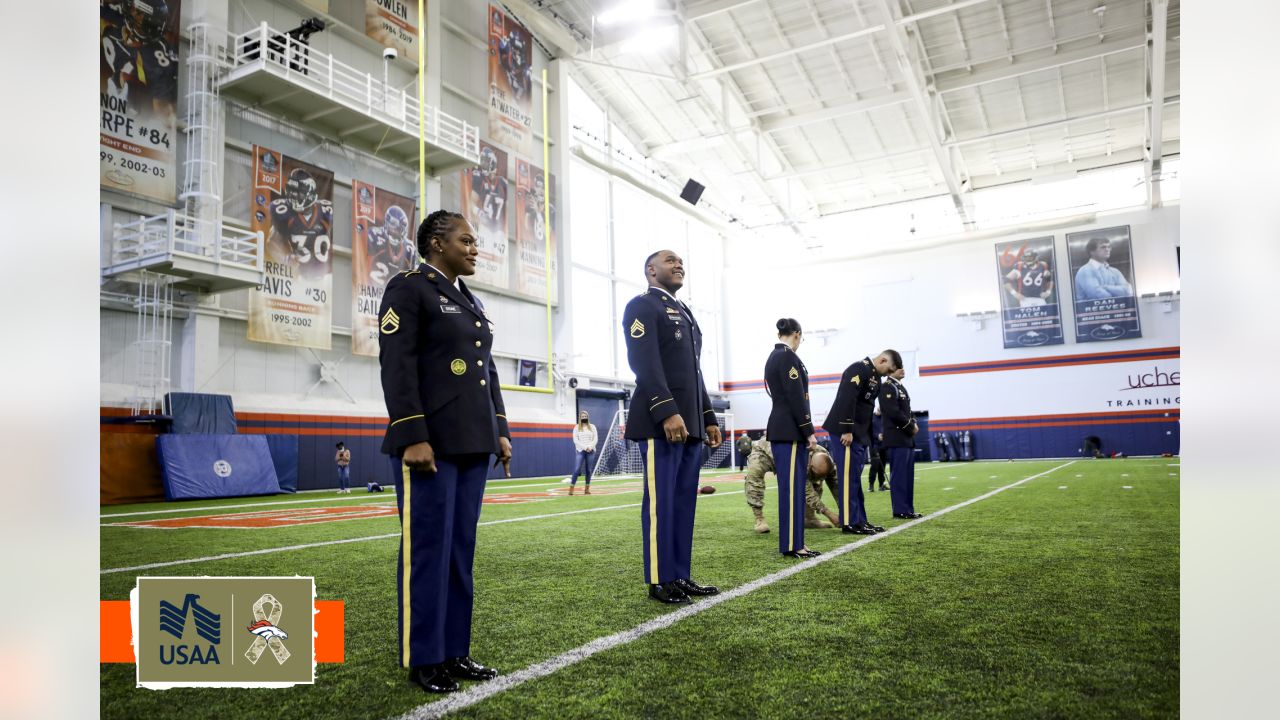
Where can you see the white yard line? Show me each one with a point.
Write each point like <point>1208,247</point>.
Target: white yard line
<point>482,691</point>
<point>305,546</point>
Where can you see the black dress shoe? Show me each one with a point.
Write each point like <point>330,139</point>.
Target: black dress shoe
<point>884,488</point>
<point>877,528</point>
<point>856,530</point>
<point>464,668</point>
<point>668,593</point>
<point>913,516</point>
<point>803,554</point>
<point>692,588</point>
<point>433,678</point>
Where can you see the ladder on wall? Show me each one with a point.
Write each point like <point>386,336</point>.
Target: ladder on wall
<point>153,344</point>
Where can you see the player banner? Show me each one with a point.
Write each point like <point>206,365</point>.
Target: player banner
<point>1106,303</point>
<point>510,82</point>
<point>1030,312</point>
<point>394,23</point>
<point>381,246</point>
<point>293,208</point>
<point>138,95</point>
<point>485,197</point>
<point>531,231</point>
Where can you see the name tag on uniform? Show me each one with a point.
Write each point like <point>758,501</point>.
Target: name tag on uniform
<point>450,309</point>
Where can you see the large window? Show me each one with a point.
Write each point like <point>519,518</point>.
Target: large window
<point>615,226</point>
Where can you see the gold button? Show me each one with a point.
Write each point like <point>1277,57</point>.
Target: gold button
<point>480,363</point>
<point>477,323</point>
<point>482,382</point>
<point>477,343</point>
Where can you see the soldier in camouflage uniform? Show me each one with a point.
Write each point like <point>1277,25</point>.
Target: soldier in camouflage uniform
<point>760,462</point>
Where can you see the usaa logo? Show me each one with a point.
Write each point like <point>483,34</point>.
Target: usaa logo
<point>208,627</point>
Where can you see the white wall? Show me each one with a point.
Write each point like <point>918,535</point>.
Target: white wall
<point>909,301</point>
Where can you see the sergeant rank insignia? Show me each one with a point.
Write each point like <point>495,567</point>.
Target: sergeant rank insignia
<point>793,373</point>
<point>856,380</point>
<point>637,329</point>
<point>390,321</point>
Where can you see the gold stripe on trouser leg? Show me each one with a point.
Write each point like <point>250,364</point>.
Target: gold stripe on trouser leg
<point>405,546</point>
<point>844,503</point>
<point>791,485</point>
<point>652,481</point>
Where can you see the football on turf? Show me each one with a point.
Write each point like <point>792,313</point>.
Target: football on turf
<point>707,490</point>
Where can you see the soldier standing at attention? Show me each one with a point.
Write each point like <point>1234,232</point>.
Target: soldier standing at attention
<point>447,419</point>
<point>791,435</point>
<point>670,418</point>
<point>899,440</point>
<point>850,420</point>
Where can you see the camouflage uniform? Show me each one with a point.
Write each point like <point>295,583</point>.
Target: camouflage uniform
<point>761,462</point>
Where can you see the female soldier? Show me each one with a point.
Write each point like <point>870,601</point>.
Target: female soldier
<point>447,418</point>
<point>790,432</point>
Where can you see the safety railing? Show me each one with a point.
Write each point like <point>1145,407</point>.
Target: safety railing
<point>297,62</point>
<point>151,240</point>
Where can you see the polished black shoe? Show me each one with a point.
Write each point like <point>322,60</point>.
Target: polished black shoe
<point>692,588</point>
<point>464,668</point>
<point>668,593</point>
<point>433,678</point>
<point>913,516</point>
<point>856,530</point>
<point>877,528</point>
<point>902,516</point>
<point>802,554</point>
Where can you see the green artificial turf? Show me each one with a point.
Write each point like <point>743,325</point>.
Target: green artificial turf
<point>1036,602</point>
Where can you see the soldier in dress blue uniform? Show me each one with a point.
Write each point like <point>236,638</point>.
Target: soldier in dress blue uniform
<point>446,419</point>
<point>670,418</point>
<point>791,435</point>
<point>899,440</point>
<point>850,420</point>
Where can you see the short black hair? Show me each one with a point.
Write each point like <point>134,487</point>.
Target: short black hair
<point>649,261</point>
<point>1094,243</point>
<point>436,225</point>
<point>787,326</point>
<point>894,358</point>
<point>340,444</point>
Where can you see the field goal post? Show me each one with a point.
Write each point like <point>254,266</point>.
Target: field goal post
<point>620,457</point>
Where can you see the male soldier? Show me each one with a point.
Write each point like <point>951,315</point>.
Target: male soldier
<point>849,419</point>
<point>877,454</point>
<point>820,470</point>
<point>670,417</point>
<point>899,439</point>
<point>744,449</point>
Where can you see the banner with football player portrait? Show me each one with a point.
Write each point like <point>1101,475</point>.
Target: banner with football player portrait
<point>1106,299</point>
<point>1030,313</point>
<point>394,23</point>
<point>532,232</point>
<point>484,198</point>
<point>382,245</point>
<point>292,206</point>
<point>510,82</point>
<point>138,97</point>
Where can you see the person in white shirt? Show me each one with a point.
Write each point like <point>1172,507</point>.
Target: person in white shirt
<point>584,443</point>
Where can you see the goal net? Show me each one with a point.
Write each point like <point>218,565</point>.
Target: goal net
<point>621,457</point>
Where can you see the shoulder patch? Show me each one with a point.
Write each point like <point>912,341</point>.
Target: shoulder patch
<point>637,329</point>
<point>793,373</point>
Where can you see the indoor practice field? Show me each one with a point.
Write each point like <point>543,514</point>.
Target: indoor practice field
<point>1044,588</point>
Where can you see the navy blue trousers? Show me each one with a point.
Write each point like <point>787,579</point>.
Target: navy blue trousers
<point>791,464</point>
<point>902,479</point>
<point>584,467</point>
<point>849,462</point>
<point>667,508</point>
<point>438,516</point>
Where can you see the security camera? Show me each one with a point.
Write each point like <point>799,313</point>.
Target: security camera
<point>390,54</point>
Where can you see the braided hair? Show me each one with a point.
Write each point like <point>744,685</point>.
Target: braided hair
<point>436,225</point>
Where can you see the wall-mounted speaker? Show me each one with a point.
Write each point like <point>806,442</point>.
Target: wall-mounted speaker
<point>692,192</point>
